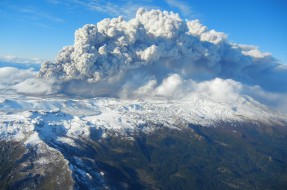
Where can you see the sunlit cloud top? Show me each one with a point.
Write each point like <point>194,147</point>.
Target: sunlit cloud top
<point>48,25</point>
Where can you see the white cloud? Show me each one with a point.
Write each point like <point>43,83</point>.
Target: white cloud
<point>34,86</point>
<point>24,81</point>
<point>185,9</point>
<point>15,59</point>
<point>170,87</point>
<point>253,51</point>
<point>126,8</point>
<point>219,89</point>
<point>224,90</point>
<point>11,76</point>
<point>37,14</point>
<point>20,62</point>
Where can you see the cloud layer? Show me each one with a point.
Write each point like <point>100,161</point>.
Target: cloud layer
<point>24,81</point>
<point>157,54</point>
<point>19,62</point>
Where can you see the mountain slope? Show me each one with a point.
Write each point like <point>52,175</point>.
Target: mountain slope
<point>105,143</point>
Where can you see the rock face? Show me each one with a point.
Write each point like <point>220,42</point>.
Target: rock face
<point>227,157</point>
<point>105,143</point>
<point>33,167</point>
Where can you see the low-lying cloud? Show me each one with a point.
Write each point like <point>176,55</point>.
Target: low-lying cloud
<point>20,62</point>
<point>158,54</point>
<point>24,81</point>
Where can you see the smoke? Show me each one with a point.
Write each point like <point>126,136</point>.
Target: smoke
<point>158,54</point>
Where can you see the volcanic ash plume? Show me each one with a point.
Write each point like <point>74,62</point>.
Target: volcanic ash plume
<point>157,54</point>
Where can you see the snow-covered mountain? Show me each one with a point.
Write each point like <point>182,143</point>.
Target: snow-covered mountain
<point>57,131</point>
<point>65,118</point>
<point>190,110</point>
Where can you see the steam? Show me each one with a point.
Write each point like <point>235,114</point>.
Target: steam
<point>157,54</point>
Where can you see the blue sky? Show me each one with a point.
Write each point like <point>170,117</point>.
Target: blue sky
<point>40,28</point>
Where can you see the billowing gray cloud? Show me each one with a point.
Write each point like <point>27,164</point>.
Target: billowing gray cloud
<point>159,54</point>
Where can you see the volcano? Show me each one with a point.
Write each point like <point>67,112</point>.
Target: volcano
<point>154,102</point>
